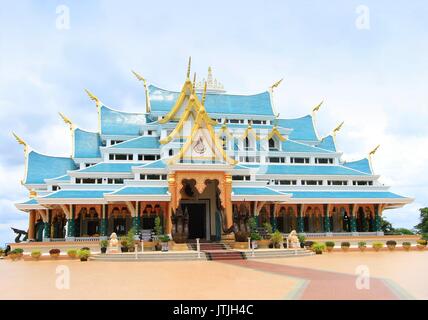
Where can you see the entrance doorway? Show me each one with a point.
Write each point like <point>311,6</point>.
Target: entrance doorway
<point>198,219</point>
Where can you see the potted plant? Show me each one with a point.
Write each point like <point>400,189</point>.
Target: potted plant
<point>329,245</point>
<point>302,239</point>
<point>406,245</point>
<point>131,241</point>
<point>36,254</point>
<point>124,245</point>
<point>308,244</point>
<point>255,237</point>
<point>318,247</point>
<point>362,245</point>
<point>104,246</point>
<point>13,255</point>
<point>72,253</point>
<point>268,227</point>
<point>391,244</point>
<point>345,246</point>
<point>19,253</point>
<point>421,244</point>
<point>277,239</point>
<point>83,254</point>
<point>54,253</point>
<point>164,242</point>
<point>377,245</point>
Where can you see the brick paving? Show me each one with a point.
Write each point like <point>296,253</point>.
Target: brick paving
<point>323,284</point>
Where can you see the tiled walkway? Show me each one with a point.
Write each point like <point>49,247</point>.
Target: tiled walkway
<point>317,284</point>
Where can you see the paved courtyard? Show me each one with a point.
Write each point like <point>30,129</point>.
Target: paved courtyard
<point>393,275</point>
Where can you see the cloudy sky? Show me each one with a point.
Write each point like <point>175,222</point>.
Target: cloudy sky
<point>367,60</point>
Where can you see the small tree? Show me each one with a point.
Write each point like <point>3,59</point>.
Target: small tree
<point>158,227</point>
<point>422,227</point>
<point>130,238</point>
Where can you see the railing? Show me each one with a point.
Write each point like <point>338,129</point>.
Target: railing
<point>339,234</point>
<point>57,239</point>
<point>85,239</point>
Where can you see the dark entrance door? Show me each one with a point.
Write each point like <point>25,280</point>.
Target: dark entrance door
<point>197,219</point>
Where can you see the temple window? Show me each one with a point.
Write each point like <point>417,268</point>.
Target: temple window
<point>89,164</point>
<point>337,182</point>
<point>56,188</point>
<point>285,182</point>
<point>113,142</point>
<point>153,176</point>
<point>115,181</point>
<point>311,182</point>
<point>362,183</point>
<point>324,160</point>
<point>241,178</point>
<point>299,160</point>
<point>171,152</point>
<point>249,159</point>
<point>89,181</point>
<point>273,144</point>
<point>149,132</point>
<point>276,159</point>
<point>121,157</point>
<point>148,157</point>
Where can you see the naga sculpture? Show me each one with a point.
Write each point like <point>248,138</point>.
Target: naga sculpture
<point>180,225</point>
<point>240,227</point>
<point>19,234</point>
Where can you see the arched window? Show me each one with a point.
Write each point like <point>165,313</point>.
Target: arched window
<point>246,143</point>
<point>223,139</point>
<point>272,144</point>
<point>171,152</point>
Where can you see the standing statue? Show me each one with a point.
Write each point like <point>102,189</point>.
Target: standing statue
<point>113,243</point>
<point>241,224</point>
<point>180,225</point>
<point>293,240</point>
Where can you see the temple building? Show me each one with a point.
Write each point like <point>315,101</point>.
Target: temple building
<point>209,156</point>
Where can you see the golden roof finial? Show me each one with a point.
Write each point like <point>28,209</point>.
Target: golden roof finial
<point>194,82</point>
<point>204,94</point>
<point>146,91</point>
<point>66,120</point>
<point>21,141</point>
<point>317,107</point>
<point>93,97</point>
<point>276,84</point>
<point>338,128</point>
<point>374,150</point>
<point>188,67</point>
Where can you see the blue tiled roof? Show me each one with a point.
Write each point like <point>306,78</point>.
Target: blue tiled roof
<point>64,177</point>
<point>142,190</point>
<point>86,144</point>
<point>30,201</point>
<point>143,142</point>
<point>121,123</point>
<point>158,164</point>
<point>327,143</point>
<point>254,191</point>
<point>293,146</point>
<point>41,167</point>
<point>259,104</point>
<point>110,167</point>
<point>362,165</point>
<point>303,128</point>
<point>75,194</point>
<point>345,194</point>
<point>307,170</point>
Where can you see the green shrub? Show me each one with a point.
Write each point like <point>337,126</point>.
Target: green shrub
<point>158,227</point>
<point>318,247</point>
<point>309,244</point>
<point>104,243</point>
<point>255,236</point>
<point>329,244</point>
<point>406,244</point>
<point>277,237</point>
<point>124,243</point>
<point>362,244</point>
<point>301,238</point>
<point>36,254</point>
<point>19,251</point>
<point>1,252</point>
<point>72,253</point>
<point>83,254</point>
<point>345,244</point>
<point>421,242</point>
<point>391,243</point>
<point>54,251</point>
<point>377,245</point>
<point>268,227</point>
<point>164,238</point>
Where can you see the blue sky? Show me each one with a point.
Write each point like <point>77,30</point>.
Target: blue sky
<point>373,79</point>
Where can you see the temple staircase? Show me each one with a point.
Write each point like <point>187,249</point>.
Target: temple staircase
<point>218,251</point>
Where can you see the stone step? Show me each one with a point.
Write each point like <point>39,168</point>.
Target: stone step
<point>225,255</point>
<point>149,257</point>
<point>277,253</point>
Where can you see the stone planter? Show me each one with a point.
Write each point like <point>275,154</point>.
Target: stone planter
<point>13,256</point>
<point>407,248</point>
<point>36,257</point>
<point>103,250</point>
<point>318,251</point>
<point>329,249</point>
<point>391,247</point>
<point>263,244</point>
<point>362,248</point>
<point>421,246</point>
<point>345,248</point>
<point>179,246</point>
<point>254,244</point>
<point>165,246</point>
<point>239,245</point>
<point>124,249</point>
<point>54,255</point>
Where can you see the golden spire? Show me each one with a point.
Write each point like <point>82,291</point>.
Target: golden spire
<point>188,67</point>
<point>374,150</point>
<point>94,98</point>
<point>66,120</point>
<point>204,94</point>
<point>140,78</point>
<point>21,141</point>
<point>336,130</point>
<point>194,82</point>
<point>276,84</point>
<point>317,107</point>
